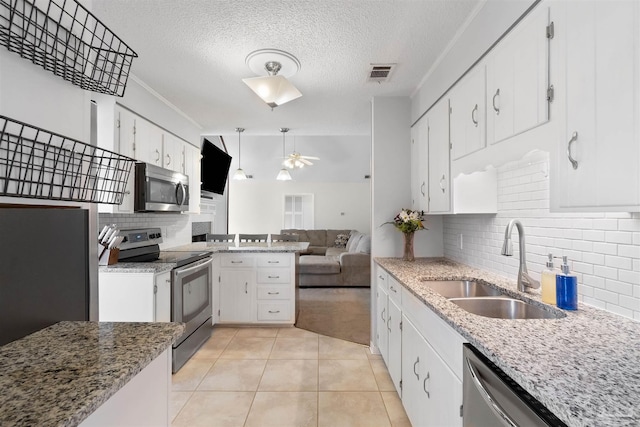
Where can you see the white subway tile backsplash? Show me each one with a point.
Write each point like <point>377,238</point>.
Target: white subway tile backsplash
<point>603,248</point>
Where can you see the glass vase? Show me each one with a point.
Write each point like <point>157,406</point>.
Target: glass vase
<point>408,247</point>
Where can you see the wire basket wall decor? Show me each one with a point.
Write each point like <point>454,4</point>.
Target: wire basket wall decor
<point>63,37</point>
<point>35,163</point>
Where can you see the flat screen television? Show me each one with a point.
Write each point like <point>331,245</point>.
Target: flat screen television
<point>214,168</point>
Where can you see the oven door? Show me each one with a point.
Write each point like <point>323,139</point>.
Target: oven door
<point>160,190</point>
<point>191,299</point>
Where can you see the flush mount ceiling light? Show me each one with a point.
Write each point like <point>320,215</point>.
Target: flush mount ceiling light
<point>239,173</point>
<point>284,174</point>
<point>275,65</point>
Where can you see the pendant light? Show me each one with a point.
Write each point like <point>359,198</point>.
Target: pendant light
<point>284,174</point>
<point>239,173</point>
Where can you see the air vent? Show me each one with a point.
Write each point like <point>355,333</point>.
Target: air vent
<point>380,72</point>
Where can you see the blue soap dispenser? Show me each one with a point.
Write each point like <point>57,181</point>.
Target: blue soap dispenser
<point>566,288</point>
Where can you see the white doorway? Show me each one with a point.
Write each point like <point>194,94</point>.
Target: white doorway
<point>298,211</point>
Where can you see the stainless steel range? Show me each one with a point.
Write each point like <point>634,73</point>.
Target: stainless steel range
<point>191,298</point>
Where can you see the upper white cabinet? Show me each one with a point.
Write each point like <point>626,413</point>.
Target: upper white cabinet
<point>192,170</point>
<point>598,148</point>
<point>439,167</point>
<point>420,165</point>
<point>468,114</point>
<point>148,142</point>
<point>172,153</point>
<point>517,78</point>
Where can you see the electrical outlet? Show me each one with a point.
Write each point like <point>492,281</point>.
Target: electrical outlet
<point>461,240</point>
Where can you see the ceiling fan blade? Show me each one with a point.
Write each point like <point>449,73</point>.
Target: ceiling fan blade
<point>305,161</point>
<point>310,157</point>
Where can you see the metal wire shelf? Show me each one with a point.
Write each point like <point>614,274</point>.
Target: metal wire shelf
<point>35,163</point>
<point>68,41</point>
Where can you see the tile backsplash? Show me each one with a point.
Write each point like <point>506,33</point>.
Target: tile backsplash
<point>603,248</point>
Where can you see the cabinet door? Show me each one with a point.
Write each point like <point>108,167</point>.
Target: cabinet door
<point>468,114</point>
<point>172,153</point>
<point>125,144</point>
<point>439,179</point>
<point>237,296</point>
<point>382,332</point>
<point>411,379</point>
<point>415,167</point>
<point>148,142</point>
<point>162,294</point>
<point>441,391</point>
<point>192,170</point>
<point>394,324</point>
<point>126,297</point>
<point>600,42</point>
<point>517,78</point>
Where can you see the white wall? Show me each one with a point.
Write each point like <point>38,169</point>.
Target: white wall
<point>257,206</point>
<point>604,249</point>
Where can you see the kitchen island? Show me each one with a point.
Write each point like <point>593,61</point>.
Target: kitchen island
<point>69,372</point>
<point>585,367</point>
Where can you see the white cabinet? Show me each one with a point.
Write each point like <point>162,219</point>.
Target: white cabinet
<point>394,359</point>
<point>432,394</point>
<point>134,297</point>
<point>598,150</point>
<point>517,78</point>
<point>192,170</point>
<point>420,165</point>
<point>256,288</point>
<point>468,113</point>
<point>148,142</point>
<point>382,301</point>
<point>124,142</point>
<point>439,166</point>
<point>173,153</point>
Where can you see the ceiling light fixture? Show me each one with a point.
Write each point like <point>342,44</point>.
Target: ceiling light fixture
<point>284,174</point>
<point>274,88</point>
<point>239,173</point>
<point>297,160</point>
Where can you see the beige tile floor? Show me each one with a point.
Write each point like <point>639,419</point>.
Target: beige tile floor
<point>250,377</point>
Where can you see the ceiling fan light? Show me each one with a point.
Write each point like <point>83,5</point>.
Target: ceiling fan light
<point>273,90</point>
<point>283,175</point>
<point>239,175</point>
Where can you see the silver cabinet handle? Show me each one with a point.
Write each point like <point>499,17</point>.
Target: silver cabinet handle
<point>389,324</point>
<point>246,287</point>
<point>422,188</point>
<point>493,404</point>
<point>442,181</point>
<point>273,293</point>
<point>168,160</point>
<point>393,289</point>
<point>573,161</point>
<point>273,262</point>
<point>381,277</point>
<point>382,314</point>
<point>473,115</point>
<point>236,262</point>
<point>274,311</point>
<point>414,368</point>
<point>424,385</point>
<point>496,109</point>
<point>273,277</point>
<point>158,156</point>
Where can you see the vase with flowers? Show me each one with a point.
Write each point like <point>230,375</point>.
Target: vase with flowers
<point>408,221</point>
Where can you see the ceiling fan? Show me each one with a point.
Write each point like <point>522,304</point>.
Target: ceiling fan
<point>295,159</point>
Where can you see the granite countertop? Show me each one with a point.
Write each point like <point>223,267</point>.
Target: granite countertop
<point>245,247</point>
<point>137,267</point>
<point>60,375</point>
<point>584,367</point>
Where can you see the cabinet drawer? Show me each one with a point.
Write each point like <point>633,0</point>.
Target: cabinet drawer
<point>237,261</point>
<point>274,311</point>
<point>274,292</point>
<point>275,260</point>
<point>274,275</point>
<point>382,277</point>
<point>395,291</point>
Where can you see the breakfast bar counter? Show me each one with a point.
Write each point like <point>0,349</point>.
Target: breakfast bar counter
<point>62,374</point>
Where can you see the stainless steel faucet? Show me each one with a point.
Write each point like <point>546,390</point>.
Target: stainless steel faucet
<point>524,280</point>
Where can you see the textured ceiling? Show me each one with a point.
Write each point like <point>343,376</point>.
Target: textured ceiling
<point>193,53</point>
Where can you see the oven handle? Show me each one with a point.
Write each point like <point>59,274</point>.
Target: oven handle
<point>493,404</point>
<point>186,270</point>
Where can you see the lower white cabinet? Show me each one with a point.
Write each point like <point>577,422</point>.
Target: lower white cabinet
<point>256,288</point>
<point>423,355</point>
<point>134,297</point>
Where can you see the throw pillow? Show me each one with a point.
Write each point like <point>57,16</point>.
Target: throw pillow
<point>341,241</point>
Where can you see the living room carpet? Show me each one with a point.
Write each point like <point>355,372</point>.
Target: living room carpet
<point>343,313</point>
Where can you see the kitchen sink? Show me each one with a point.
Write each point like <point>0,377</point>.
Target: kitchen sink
<point>461,288</point>
<point>504,308</point>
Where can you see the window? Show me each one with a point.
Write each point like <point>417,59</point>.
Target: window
<point>298,211</point>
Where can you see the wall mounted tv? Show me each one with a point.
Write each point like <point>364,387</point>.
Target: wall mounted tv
<point>214,169</point>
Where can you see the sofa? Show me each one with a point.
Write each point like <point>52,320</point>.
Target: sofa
<point>339,266</point>
<point>319,240</point>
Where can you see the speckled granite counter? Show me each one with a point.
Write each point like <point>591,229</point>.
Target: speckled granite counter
<point>584,367</point>
<point>137,267</point>
<point>60,375</point>
<point>244,247</point>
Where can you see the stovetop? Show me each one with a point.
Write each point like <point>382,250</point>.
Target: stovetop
<point>182,258</point>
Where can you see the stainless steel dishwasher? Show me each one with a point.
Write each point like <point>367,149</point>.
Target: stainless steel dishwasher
<point>491,398</point>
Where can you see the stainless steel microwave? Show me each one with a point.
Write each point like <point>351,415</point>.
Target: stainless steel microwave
<point>160,190</point>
